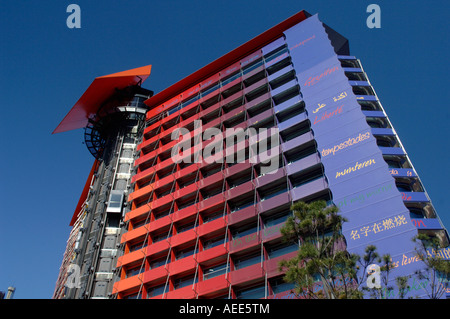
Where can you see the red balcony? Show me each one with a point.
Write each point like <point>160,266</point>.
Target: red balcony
<point>188,292</point>
<point>213,254</point>
<point>247,274</point>
<point>213,286</point>
<point>243,214</point>
<point>212,226</point>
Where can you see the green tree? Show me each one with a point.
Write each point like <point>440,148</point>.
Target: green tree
<point>436,272</point>
<point>322,267</point>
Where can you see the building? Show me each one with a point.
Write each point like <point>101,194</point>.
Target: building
<point>295,117</point>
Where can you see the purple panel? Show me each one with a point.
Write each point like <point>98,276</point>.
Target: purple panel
<point>345,139</point>
<point>269,178</point>
<point>308,189</point>
<point>274,202</point>
<point>331,96</point>
<point>427,223</point>
<point>258,100</point>
<point>364,181</point>
<point>308,43</point>
<point>364,197</point>
<point>292,121</point>
<point>272,46</point>
<point>280,73</point>
<point>382,131</point>
<point>284,87</point>
<point>392,150</point>
<point>341,115</point>
<point>361,184</point>
<point>287,104</point>
<point>371,205</point>
<point>302,139</point>
<point>414,197</point>
<point>402,172</point>
<point>303,163</point>
<point>374,114</point>
<point>260,117</point>
<point>358,168</point>
<point>349,155</point>
<point>381,233</point>
<point>366,97</point>
<point>321,76</point>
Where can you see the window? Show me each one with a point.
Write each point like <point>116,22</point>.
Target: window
<point>307,177</point>
<point>213,216</point>
<point>134,271</point>
<point>279,285</point>
<point>213,242</point>
<point>215,271</point>
<point>236,206</point>
<point>240,179</point>
<point>115,201</point>
<point>356,76</point>
<point>185,227</point>
<point>347,63</point>
<point>276,219</point>
<point>283,79</point>
<point>244,231</point>
<point>252,67</point>
<point>184,281</point>
<point>155,291</point>
<point>296,109</point>
<point>416,213</point>
<point>159,237</point>
<point>252,293</point>
<point>136,246</point>
<point>369,105</point>
<point>185,252</point>
<point>161,261</point>
<point>273,190</point>
<point>300,152</point>
<point>247,260</point>
<point>403,187</point>
<point>295,131</point>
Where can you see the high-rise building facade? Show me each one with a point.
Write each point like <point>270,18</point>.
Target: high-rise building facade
<point>207,180</point>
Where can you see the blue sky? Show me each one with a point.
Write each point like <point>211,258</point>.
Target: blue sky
<point>45,67</point>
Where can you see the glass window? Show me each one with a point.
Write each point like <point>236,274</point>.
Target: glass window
<point>134,271</point>
<point>159,262</point>
<point>279,285</point>
<point>155,291</point>
<point>185,281</point>
<point>276,219</point>
<point>185,252</point>
<point>219,240</point>
<point>247,260</point>
<point>215,271</point>
<point>252,293</point>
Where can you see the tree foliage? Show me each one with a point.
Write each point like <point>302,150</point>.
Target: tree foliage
<point>437,270</point>
<point>322,267</point>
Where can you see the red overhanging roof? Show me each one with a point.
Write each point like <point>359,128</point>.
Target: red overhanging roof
<point>229,58</point>
<point>99,90</point>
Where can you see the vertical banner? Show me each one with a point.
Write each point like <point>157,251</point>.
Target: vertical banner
<point>361,184</point>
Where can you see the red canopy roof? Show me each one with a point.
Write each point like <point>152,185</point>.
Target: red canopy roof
<point>99,90</point>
